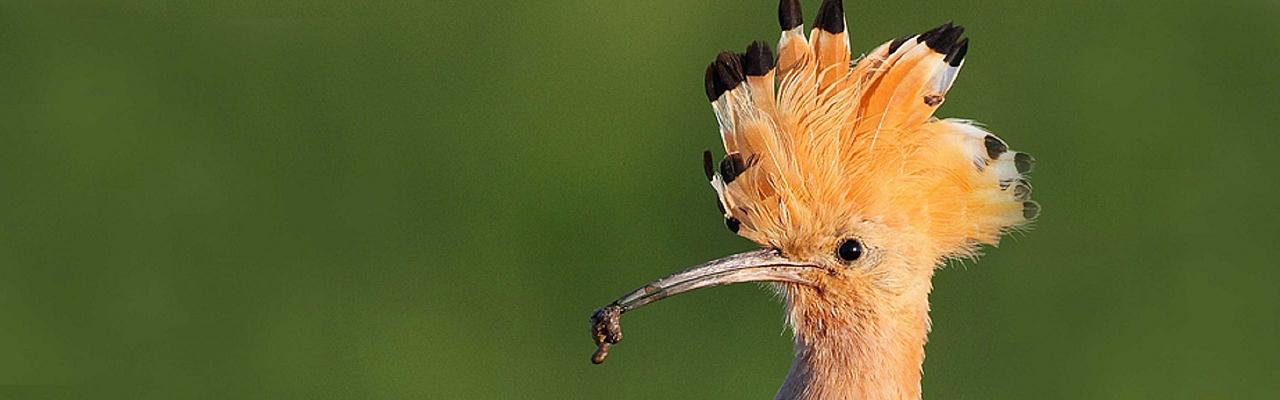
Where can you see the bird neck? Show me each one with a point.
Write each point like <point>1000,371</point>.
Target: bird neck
<point>864,346</point>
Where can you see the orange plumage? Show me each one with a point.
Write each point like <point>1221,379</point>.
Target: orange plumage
<point>830,151</point>
<point>837,144</point>
<point>855,190</point>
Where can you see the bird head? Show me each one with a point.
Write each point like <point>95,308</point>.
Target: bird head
<point>839,171</point>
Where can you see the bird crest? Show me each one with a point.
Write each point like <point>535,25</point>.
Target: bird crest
<point>816,142</point>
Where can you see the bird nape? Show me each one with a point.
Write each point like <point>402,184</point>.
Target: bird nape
<point>855,192</point>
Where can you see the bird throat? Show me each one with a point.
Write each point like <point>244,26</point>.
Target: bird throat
<point>865,346</point>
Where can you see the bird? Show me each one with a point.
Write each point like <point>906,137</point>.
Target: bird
<point>855,192</point>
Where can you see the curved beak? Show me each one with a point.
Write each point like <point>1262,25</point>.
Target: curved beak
<point>752,266</point>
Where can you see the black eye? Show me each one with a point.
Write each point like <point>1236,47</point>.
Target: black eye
<point>850,250</point>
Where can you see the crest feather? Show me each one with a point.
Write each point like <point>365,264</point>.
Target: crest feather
<point>812,141</point>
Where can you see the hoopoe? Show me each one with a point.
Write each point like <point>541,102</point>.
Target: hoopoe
<point>855,192</point>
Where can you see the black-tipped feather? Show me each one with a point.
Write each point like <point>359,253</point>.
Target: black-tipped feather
<point>1024,162</point>
<point>995,147</point>
<point>1021,192</point>
<point>944,37</point>
<point>897,43</point>
<point>1030,210</point>
<point>710,82</point>
<point>708,164</point>
<point>724,74</point>
<point>759,59</point>
<point>933,32</point>
<point>830,16</point>
<point>789,16</point>
<point>956,55</point>
<point>733,224</point>
<point>731,166</point>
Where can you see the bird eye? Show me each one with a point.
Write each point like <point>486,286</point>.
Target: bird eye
<point>850,250</point>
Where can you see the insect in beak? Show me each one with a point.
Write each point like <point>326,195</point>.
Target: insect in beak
<point>753,266</point>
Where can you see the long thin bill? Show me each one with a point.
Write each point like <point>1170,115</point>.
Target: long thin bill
<point>752,266</point>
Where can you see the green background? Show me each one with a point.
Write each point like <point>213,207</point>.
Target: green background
<point>426,199</point>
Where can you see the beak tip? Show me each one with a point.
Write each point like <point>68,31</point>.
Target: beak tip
<point>765,265</point>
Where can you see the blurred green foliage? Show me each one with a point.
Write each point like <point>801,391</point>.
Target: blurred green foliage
<point>426,199</point>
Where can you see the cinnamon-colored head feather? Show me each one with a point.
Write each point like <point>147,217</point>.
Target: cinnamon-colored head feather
<point>845,166</point>
<point>817,147</point>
